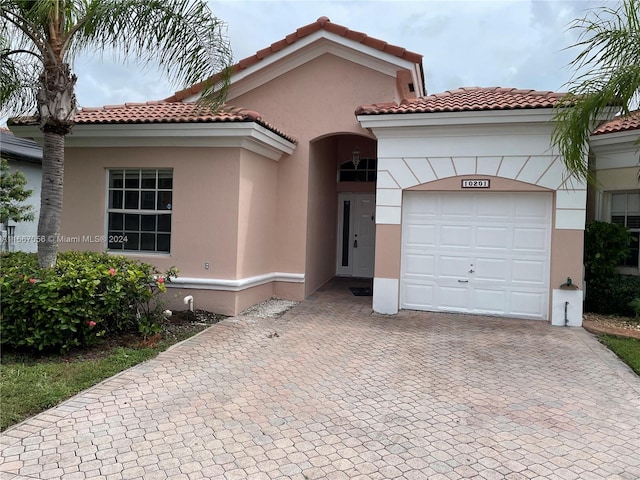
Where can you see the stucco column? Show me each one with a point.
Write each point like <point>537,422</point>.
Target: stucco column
<point>386,282</point>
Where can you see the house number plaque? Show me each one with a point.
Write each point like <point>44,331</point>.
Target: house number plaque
<point>476,183</point>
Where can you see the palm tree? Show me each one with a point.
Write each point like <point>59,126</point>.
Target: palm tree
<point>39,40</point>
<point>608,76</point>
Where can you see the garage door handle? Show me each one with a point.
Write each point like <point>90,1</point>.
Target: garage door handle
<point>463,281</point>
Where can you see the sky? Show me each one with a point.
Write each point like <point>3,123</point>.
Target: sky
<point>507,43</point>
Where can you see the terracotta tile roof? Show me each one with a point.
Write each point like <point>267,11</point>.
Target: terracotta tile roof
<point>620,124</point>
<point>322,23</point>
<point>163,112</point>
<point>467,99</point>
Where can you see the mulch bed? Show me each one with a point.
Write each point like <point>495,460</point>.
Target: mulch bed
<point>611,325</point>
<point>597,329</point>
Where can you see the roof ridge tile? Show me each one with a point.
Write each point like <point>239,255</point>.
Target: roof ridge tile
<point>322,23</point>
<point>472,98</point>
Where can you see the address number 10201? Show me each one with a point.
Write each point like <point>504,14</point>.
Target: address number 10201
<point>476,183</point>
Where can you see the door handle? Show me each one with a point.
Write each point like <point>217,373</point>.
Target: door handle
<point>463,281</point>
<point>355,244</point>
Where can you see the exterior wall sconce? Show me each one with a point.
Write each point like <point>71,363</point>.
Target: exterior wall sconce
<point>355,158</point>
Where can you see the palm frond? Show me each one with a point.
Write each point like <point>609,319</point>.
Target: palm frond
<point>607,79</point>
<point>18,78</point>
<point>181,36</point>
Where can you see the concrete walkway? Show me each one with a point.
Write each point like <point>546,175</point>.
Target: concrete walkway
<point>330,391</point>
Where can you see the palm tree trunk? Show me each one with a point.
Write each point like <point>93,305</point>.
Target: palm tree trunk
<point>51,198</point>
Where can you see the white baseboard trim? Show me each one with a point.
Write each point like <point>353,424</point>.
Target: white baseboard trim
<point>235,285</point>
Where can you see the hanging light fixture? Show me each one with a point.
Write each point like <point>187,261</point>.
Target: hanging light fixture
<point>355,158</point>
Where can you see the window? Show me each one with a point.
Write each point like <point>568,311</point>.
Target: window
<point>366,171</point>
<point>625,210</point>
<point>139,210</point>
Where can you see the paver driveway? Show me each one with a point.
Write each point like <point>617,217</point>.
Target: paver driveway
<point>340,393</point>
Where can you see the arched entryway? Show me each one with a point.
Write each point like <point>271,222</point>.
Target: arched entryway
<point>341,204</point>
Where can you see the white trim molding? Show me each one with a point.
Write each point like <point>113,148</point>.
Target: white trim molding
<point>386,293</point>
<point>236,285</point>
<point>247,135</point>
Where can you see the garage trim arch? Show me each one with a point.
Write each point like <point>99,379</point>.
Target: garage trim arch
<point>511,149</point>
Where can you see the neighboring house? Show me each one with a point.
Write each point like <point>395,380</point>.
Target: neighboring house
<point>450,202</point>
<point>616,165</point>
<point>26,156</point>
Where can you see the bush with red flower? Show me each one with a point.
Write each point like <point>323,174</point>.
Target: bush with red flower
<point>86,296</point>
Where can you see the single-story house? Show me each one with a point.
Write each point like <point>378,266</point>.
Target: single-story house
<point>449,202</point>
<point>615,195</point>
<point>23,155</point>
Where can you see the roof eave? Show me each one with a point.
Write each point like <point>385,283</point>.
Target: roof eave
<point>470,117</point>
<point>629,137</point>
<point>247,135</point>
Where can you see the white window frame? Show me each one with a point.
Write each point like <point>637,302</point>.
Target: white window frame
<point>628,270</point>
<point>123,236</point>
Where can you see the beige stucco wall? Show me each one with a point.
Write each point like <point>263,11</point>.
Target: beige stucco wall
<point>224,214</point>
<point>256,215</point>
<point>316,100</point>
<point>205,203</point>
<point>321,208</point>
<point>243,214</point>
<point>388,251</point>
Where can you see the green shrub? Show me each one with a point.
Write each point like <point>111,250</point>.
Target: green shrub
<point>635,306</point>
<point>613,295</point>
<point>86,296</point>
<point>606,245</point>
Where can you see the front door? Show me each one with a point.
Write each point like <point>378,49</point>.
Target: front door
<point>356,234</point>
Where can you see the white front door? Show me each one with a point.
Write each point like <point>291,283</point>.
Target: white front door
<point>484,253</point>
<point>356,234</point>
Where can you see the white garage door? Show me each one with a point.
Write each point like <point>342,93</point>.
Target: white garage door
<point>476,252</point>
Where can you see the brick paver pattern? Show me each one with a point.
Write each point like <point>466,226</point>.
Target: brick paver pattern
<point>340,393</point>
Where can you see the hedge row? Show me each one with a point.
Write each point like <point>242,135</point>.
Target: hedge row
<point>612,295</point>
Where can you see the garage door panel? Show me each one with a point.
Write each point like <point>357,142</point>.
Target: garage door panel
<point>492,238</point>
<point>422,265</point>
<point>423,235</point>
<point>532,211</point>
<point>453,298</point>
<point>494,209</point>
<point>426,209</point>
<point>528,304</point>
<point>455,236</point>
<point>491,269</point>
<point>529,271</point>
<point>530,240</point>
<point>453,266</point>
<point>453,208</point>
<point>503,237</point>
<point>416,295</point>
<point>490,301</point>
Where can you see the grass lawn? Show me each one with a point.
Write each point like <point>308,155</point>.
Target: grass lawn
<point>628,349</point>
<point>30,384</point>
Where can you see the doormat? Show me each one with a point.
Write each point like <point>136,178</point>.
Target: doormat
<point>362,291</point>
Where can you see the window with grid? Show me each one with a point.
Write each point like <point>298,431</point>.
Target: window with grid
<point>139,210</point>
<point>366,171</point>
<point>625,210</point>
